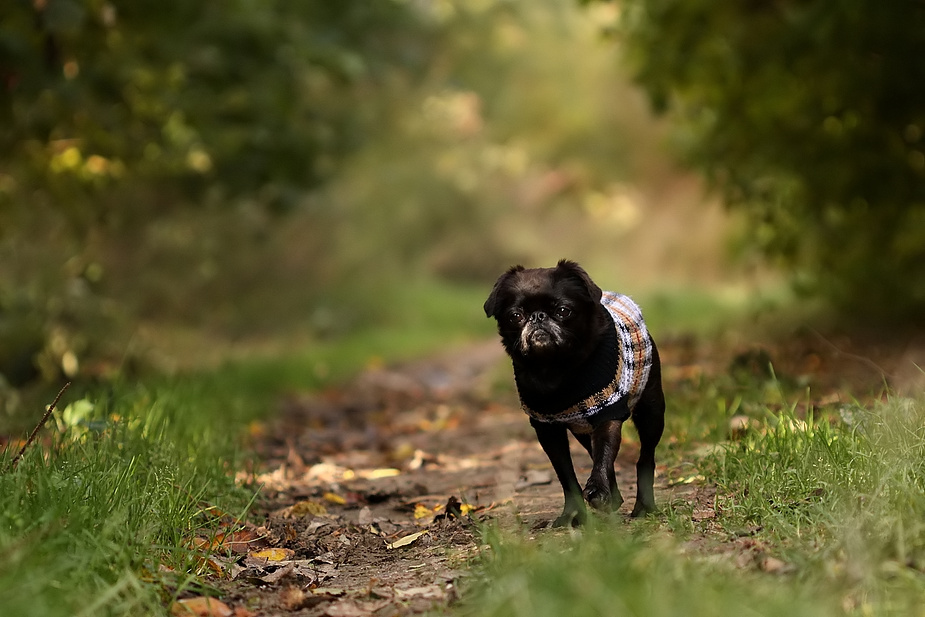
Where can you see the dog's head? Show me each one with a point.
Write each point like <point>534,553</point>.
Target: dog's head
<point>547,315</point>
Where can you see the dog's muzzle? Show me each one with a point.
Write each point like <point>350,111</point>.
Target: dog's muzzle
<point>537,336</point>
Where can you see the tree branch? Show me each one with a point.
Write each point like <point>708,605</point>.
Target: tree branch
<point>37,428</point>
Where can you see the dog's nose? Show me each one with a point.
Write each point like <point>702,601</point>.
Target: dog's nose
<point>538,316</point>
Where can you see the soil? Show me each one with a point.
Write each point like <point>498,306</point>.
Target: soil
<point>371,489</point>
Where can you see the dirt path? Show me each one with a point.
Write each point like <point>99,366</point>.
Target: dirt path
<point>353,473</point>
<point>366,487</point>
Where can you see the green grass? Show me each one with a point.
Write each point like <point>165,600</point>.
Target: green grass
<point>612,569</point>
<point>843,499</point>
<point>113,489</point>
<point>840,501</point>
<point>87,518</point>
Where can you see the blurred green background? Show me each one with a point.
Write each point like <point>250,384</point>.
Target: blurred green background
<point>183,181</point>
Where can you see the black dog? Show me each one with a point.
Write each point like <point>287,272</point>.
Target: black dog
<point>583,361</point>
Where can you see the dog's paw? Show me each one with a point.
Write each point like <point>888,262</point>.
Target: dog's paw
<point>643,509</point>
<point>570,519</point>
<point>574,515</point>
<point>601,498</point>
<point>596,496</point>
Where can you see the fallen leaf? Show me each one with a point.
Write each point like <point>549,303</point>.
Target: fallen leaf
<point>315,525</point>
<point>304,508</point>
<point>375,474</point>
<point>454,509</point>
<point>312,570</point>
<point>418,461</point>
<point>686,479</point>
<point>274,577</point>
<point>335,498</point>
<point>200,607</point>
<point>406,540</point>
<point>210,563</point>
<point>256,429</point>
<point>421,511</point>
<point>430,592</point>
<point>381,592</point>
<point>294,598</point>
<point>240,541</point>
<point>365,517</point>
<point>272,554</point>
<point>773,565</point>
<point>346,608</point>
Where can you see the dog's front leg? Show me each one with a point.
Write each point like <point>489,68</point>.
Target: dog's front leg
<point>554,439</point>
<point>601,489</point>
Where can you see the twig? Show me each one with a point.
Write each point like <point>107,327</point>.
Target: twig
<point>37,428</point>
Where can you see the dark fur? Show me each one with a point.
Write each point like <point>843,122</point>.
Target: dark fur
<point>550,321</point>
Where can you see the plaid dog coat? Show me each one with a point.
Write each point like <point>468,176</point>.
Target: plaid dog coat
<point>617,372</point>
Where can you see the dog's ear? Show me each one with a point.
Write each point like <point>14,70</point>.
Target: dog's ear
<point>571,269</point>
<point>491,304</point>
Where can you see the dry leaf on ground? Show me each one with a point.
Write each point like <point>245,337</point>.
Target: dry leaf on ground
<point>240,541</point>
<point>304,508</point>
<point>406,540</point>
<point>200,607</point>
<point>430,592</point>
<point>272,554</point>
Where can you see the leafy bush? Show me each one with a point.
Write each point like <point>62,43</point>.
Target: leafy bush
<point>808,115</point>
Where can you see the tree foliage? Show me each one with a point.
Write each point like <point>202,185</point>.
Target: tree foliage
<point>147,147</point>
<point>250,99</point>
<point>809,115</point>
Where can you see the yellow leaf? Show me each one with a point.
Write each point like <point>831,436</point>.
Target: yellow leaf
<point>375,474</point>
<point>405,541</point>
<point>256,429</point>
<point>307,507</point>
<point>204,564</point>
<point>421,511</point>
<point>335,498</point>
<point>466,509</point>
<point>273,554</point>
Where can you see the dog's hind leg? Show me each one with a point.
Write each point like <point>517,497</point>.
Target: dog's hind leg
<point>649,419</point>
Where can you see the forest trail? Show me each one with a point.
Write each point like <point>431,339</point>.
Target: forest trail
<point>370,489</point>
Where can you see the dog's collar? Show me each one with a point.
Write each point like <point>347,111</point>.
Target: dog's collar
<point>624,364</point>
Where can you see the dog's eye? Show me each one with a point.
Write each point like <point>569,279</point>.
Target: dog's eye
<point>563,311</point>
<point>517,317</point>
